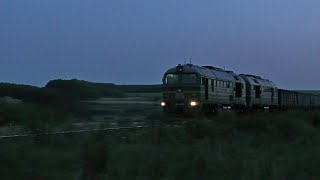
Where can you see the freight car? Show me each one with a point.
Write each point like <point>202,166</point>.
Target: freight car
<point>292,99</point>
<point>192,88</point>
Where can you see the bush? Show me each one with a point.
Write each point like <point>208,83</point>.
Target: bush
<point>36,118</point>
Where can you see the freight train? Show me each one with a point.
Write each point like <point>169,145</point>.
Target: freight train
<point>190,88</point>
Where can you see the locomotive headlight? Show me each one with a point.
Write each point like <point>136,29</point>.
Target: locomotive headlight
<point>163,104</point>
<point>193,103</point>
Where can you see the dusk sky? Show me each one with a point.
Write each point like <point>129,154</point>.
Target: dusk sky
<point>135,42</point>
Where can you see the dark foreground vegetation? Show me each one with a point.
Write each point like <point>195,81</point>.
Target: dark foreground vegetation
<point>260,146</point>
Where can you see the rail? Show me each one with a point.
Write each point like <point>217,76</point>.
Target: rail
<point>74,132</point>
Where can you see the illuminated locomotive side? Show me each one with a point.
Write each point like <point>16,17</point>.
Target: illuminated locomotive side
<point>191,88</point>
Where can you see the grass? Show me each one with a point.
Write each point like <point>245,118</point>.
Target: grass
<point>281,145</point>
<point>150,96</point>
<point>228,146</point>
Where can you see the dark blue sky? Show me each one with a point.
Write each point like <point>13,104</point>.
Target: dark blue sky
<point>125,41</point>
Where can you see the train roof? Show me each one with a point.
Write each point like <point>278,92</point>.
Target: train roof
<point>257,80</point>
<point>208,71</point>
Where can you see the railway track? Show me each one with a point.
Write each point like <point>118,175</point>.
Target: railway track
<point>74,132</point>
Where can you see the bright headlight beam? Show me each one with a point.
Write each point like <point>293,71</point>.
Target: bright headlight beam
<point>163,104</point>
<point>193,103</point>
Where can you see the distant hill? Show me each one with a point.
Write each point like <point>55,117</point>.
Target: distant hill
<point>315,92</point>
<point>89,90</point>
<point>84,90</point>
<point>59,91</point>
<point>23,92</point>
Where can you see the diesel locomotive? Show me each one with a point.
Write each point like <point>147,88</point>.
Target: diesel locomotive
<point>192,88</point>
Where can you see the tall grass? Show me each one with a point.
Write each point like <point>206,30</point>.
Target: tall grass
<point>227,146</point>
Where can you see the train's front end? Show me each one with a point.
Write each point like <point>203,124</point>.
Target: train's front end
<point>181,90</point>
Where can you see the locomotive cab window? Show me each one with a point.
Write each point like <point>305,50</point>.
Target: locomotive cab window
<point>189,78</point>
<point>172,79</point>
